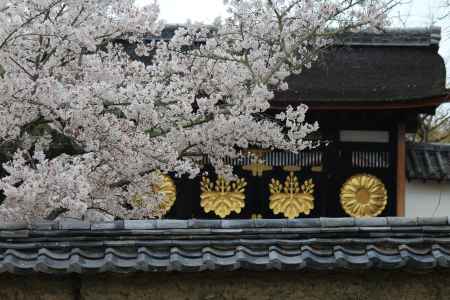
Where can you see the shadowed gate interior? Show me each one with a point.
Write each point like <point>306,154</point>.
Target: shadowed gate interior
<point>328,168</point>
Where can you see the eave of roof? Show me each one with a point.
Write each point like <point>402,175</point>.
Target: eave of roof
<point>360,104</point>
<point>197,245</point>
<point>392,37</point>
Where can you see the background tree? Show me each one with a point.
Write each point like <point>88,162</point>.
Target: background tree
<point>434,129</point>
<point>68,77</point>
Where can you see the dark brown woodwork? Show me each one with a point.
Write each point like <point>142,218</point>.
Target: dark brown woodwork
<point>338,161</point>
<point>281,105</point>
<point>401,169</point>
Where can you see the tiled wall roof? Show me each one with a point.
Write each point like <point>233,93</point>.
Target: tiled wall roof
<point>197,245</point>
<point>428,162</point>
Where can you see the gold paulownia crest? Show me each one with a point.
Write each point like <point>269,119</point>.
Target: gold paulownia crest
<point>257,168</point>
<point>363,195</point>
<point>291,199</point>
<point>223,197</point>
<point>167,187</point>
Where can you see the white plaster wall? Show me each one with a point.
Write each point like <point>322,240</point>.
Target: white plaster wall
<point>427,199</point>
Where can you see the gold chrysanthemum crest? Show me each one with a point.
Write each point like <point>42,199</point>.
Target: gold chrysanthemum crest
<point>168,188</point>
<point>290,198</point>
<point>169,191</point>
<point>223,197</point>
<point>363,195</point>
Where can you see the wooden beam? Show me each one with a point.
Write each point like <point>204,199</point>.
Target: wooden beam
<point>282,103</point>
<point>401,169</point>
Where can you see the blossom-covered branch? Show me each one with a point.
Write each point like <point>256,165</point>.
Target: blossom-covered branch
<point>64,65</point>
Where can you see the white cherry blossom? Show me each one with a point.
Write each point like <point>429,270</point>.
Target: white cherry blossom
<point>65,71</point>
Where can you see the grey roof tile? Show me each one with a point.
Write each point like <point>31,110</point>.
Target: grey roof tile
<point>304,223</point>
<point>73,225</point>
<point>415,229</point>
<point>140,224</point>
<point>340,230</point>
<point>105,226</point>
<point>235,230</point>
<point>13,226</point>
<point>436,229</point>
<point>432,221</point>
<point>171,224</point>
<point>271,223</point>
<point>400,221</point>
<point>301,230</point>
<point>370,222</point>
<point>428,161</point>
<point>193,231</point>
<point>200,223</point>
<point>375,229</point>
<point>337,222</point>
<point>44,225</point>
<point>14,233</point>
<point>249,223</point>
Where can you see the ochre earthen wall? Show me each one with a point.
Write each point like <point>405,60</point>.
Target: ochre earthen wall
<point>231,286</point>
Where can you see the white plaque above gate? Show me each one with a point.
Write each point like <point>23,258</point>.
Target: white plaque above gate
<point>364,136</point>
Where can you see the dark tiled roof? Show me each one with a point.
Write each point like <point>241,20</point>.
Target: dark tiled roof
<point>393,65</point>
<point>197,245</point>
<point>369,74</point>
<point>428,161</point>
<point>412,37</point>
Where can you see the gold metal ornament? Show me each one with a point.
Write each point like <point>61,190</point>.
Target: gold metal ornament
<point>169,190</point>
<point>257,168</point>
<point>316,169</point>
<point>223,197</point>
<point>292,168</point>
<point>257,216</point>
<point>363,195</point>
<point>291,199</point>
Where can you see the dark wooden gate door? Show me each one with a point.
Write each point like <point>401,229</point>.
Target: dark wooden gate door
<point>338,162</point>
<point>344,160</point>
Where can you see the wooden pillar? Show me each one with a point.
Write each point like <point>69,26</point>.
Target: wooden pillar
<point>401,169</point>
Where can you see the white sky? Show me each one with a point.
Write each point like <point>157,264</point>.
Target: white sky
<point>414,13</point>
<point>178,11</point>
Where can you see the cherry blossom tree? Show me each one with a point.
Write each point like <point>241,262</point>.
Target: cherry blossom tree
<point>204,93</point>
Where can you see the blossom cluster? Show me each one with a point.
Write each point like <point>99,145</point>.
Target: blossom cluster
<point>65,66</point>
